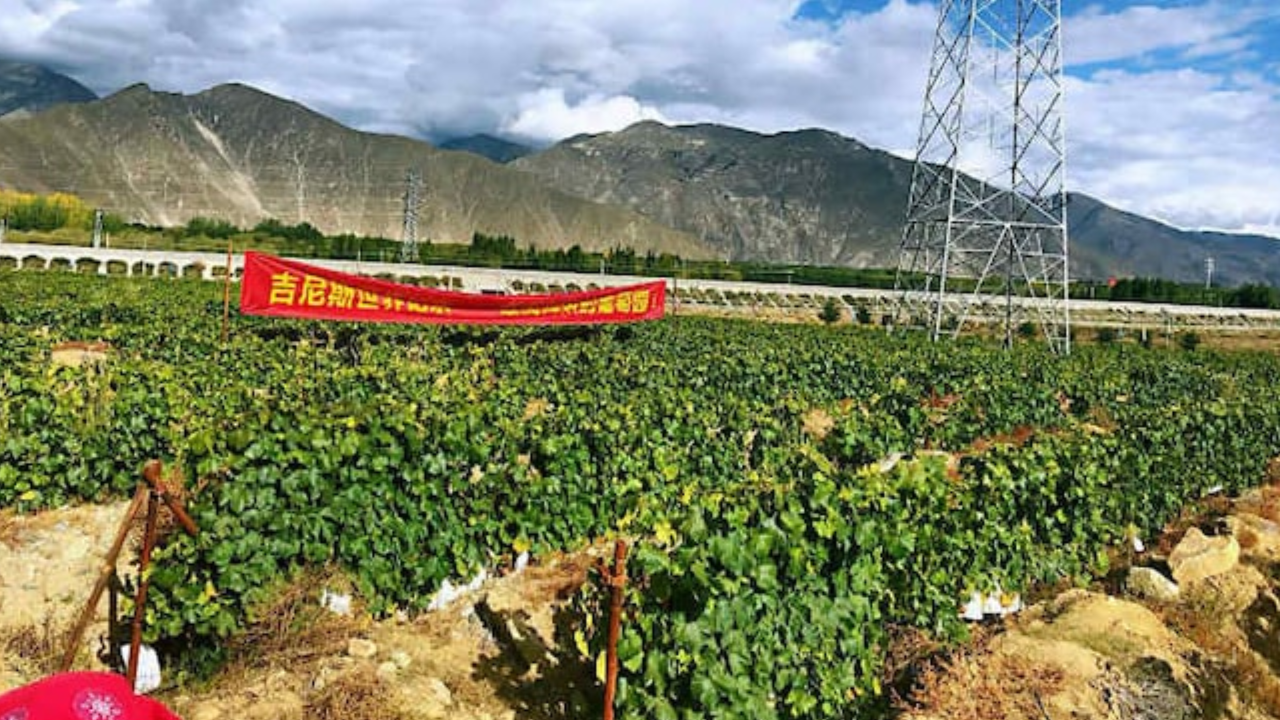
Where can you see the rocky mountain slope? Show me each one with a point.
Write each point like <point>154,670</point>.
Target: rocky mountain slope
<point>235,153</point>
<point>808,196</point>
<point>816,197</point>
<point>26,88</point>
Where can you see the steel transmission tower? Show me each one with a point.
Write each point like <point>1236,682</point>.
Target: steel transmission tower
<point>412,200</point>
<point>986,231</point>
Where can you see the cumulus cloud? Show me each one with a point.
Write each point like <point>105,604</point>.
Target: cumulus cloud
<point>1171,107</point>
<point>546,114</point>
<point>1186,146</point>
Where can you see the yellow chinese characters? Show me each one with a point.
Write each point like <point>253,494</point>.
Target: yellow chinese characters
<point>630,302</point>
<point>284,289</point>
<point>314,291</point>
<point>317,292</point>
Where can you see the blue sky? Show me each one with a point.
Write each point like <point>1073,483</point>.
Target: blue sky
<point>1172,107</point>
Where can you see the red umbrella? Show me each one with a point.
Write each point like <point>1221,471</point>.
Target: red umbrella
<point>80,696</point>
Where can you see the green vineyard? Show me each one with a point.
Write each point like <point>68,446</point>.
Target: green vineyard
<point>795,492</point>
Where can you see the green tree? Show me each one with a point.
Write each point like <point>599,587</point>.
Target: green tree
<point>830,312</point>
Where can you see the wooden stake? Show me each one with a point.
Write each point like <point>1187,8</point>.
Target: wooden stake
<point>226,295</point>
<point>105,573</point>
<point>617,580</point>
<point>140,600</point>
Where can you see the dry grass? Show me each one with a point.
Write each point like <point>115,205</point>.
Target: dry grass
<point>9,530</point>
<point>35,648</point>
<point>1247,538</point>
<point>292,629</point>
<point>357,695</point>
<point>1269,508</point>
<point>974,683</point>
<point>818,423</point>
<point>1273,471</point>
<point>536,407</point>
<point>907,650</point>
<point>1202,622</point>
<point>1265,340</point>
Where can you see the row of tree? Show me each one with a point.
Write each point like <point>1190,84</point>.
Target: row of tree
<point>46,213</point>
<point>32,212</point>
<point>1158,290</point>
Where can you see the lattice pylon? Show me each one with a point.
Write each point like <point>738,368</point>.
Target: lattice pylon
<point>412,201</point>
<point>986,231</point>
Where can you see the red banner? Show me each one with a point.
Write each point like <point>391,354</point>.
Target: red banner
<point>286,288</point>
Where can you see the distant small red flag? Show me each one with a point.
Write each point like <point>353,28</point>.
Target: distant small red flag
<point>1111,282</point>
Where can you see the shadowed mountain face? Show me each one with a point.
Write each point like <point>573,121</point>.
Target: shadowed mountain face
<point>816,197</point>
<point>1109,242</point>
<point>32,88</point>
<point>488,146</point>
<point>238,154</point>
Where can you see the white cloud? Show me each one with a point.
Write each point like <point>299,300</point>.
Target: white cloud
<point>1191,146</point>
<point>1184,146</point>
<point>1096,35</point>
<point>546,114</point>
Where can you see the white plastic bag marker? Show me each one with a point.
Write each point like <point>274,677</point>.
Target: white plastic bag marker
<point>148,668</point>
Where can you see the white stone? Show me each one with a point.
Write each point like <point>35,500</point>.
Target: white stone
<point>336,603</point>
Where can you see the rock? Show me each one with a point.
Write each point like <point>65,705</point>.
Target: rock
<point>439,693</point>
<point>280,681</point>
<point>1198,557</point>
<point>1257,536</point>
<point>429,697</point>
<point>330,670</point>
<point>361,648</point>
<point>1148,583</point>
<point>283,706</point>
<point>207,712</point>
<point>401,659</point>
<point>387,671</point>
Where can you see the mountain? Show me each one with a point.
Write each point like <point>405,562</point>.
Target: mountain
<point>813,196</point>
<point>488,146</point>
<point>1108,242</point>
<point>804,197</point>
<point>32,88</point>
<point>239,154</point>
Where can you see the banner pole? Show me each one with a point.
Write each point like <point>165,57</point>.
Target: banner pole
<point>226,295</point>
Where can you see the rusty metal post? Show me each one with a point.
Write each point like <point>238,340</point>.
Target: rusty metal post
<point>617,580</point>
<point>105,573</point>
